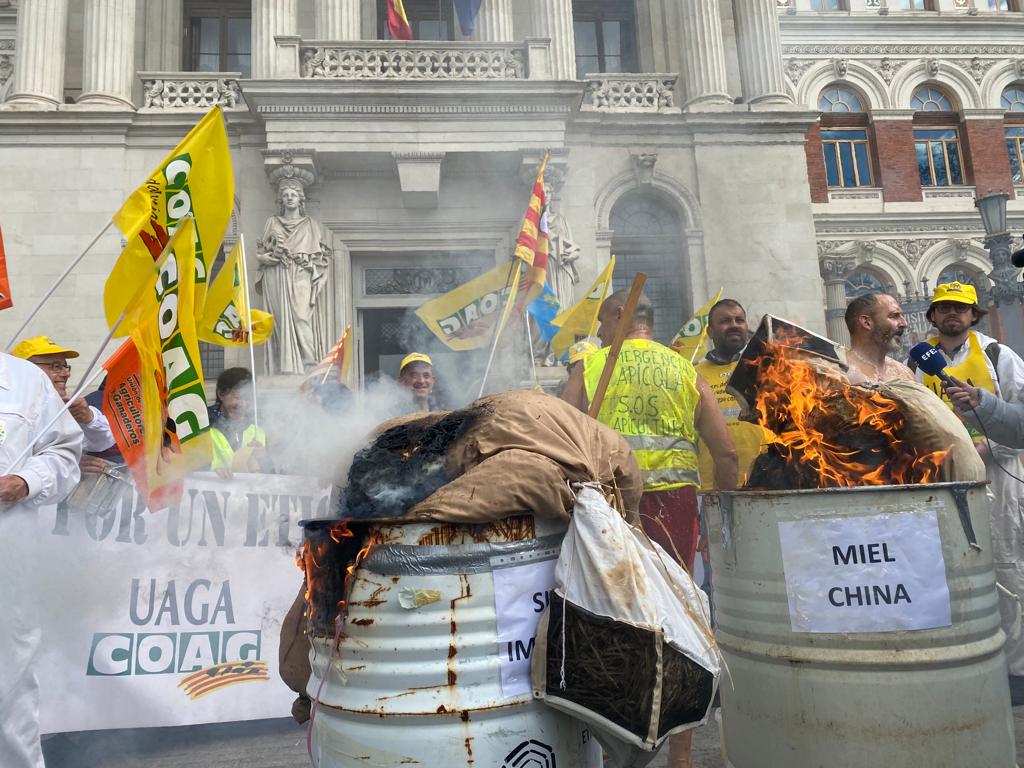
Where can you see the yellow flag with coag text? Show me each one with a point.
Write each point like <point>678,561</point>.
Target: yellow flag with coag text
<point>175,421</point>
<point>581,318</point>
<point>691,337</point>
<point>464,317</point>
<point>195,178</point>
<point>226,315</point>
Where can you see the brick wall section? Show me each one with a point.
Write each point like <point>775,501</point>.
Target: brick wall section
<point>816,165</point>
<point>896,166</point>
<point>987,164</point>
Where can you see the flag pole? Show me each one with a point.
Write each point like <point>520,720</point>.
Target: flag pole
<point>252,346</point>
<point>529,351</point>
<point>513,267</point>
<point>60,279</point>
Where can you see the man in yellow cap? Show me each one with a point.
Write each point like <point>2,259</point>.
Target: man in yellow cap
<point>416,375</point>
<point>980,361</point>
<point>52,359</point>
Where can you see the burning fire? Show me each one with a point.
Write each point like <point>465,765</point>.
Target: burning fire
<point>839,435</point>
<point>321,560</point>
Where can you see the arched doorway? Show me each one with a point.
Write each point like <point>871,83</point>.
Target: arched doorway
<point>647,236</point>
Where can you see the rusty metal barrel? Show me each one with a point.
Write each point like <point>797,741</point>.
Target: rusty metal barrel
<point>830,617</point>
<point>417,675</point>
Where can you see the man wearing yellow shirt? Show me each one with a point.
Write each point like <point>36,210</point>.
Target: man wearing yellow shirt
<point>727,329</point>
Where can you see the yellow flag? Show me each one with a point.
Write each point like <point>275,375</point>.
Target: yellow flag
<point>175,424</point>
<point>464,317</point>
<point>581,318</point>
<point>691,337</point>
<point>226,314</point>
<point>196,178</point>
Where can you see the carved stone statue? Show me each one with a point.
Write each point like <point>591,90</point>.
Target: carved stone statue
<point>293,262</point>
<point>565,253</point>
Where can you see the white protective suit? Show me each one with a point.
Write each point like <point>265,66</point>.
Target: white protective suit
<point>27,403</point>
<point>1008,496</point>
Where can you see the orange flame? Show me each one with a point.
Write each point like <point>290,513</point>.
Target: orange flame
<point>796,402</point>
<point>313,558</point>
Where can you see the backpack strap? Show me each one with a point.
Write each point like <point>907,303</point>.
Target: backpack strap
<point>992,352</point>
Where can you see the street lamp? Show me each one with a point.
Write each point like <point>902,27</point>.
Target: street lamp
<point>1005,286</point>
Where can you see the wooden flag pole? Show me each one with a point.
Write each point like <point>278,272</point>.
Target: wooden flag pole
<point>252,346</point>
<point>56,284</point>
<point>625,326</point>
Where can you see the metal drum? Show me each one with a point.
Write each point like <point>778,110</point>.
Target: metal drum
<point>928,697</point>
<point>416,679</point>
<point>99,493</point>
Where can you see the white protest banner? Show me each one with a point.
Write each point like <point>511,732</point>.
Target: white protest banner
<point>170,618</point>
<point>877,573</point>
<point>521,593</point>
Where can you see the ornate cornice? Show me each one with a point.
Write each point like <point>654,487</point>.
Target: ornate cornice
<point>900,49</point>
<point>412,109</point>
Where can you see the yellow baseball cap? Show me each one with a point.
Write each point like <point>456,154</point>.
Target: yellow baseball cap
<point>40,345</point>
<point>580,350</point>
<point>414,357</point>
<point>961,293</point>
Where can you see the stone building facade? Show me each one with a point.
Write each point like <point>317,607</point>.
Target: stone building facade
<point>686,136</point>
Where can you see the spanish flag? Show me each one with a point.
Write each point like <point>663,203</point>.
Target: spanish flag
<point>581,318</point>
<point>194,179</point>
<point>398,22</point>
<point>173,423</point>
<point>228,320</point>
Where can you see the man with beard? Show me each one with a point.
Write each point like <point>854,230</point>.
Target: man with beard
<point>876,325</point>
<point>727,328</point>
<point>982,362</point>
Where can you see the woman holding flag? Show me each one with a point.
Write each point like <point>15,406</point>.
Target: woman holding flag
<point>238,444</point>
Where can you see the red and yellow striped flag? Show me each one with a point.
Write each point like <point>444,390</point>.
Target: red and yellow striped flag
<point>533,245</point>
<point>398,22</point>
<point>337,361</point>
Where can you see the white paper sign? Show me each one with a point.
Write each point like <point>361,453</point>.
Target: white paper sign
<point>173,617</point>
<point>882,573</point>
<point>521,594</point>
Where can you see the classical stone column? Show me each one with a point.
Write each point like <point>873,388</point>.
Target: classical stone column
<point>834,271</point>
<point>705,80</point>
<point>39,67</point>
<point>553,19</point>
<point>760,52</point>
<point>108,63</point>
<point>270,18</point>
<point>338,20</point>
<point>494,22</point>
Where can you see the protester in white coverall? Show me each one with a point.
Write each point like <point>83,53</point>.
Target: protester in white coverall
<point>50,472</point>
<point>980,360</point>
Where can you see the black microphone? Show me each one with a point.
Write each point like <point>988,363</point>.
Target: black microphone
<point>1017,259</point>
<point>930,360</point>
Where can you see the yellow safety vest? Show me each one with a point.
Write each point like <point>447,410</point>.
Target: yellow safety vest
<point>973,370</point>
<point>224,454</point>
<point>651,401</point>
<point>748,438</point>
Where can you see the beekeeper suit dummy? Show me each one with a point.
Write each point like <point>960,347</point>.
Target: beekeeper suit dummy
<point>981,360</point>
<point>46,476</point>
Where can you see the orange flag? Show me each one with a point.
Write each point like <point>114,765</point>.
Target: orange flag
<point>122,405</point>
<point>5,285</point>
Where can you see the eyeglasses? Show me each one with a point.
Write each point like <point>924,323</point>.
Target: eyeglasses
<point>946,307</point>
<point>55,367</point>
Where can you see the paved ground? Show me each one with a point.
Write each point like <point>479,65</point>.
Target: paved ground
<point>262,744</point>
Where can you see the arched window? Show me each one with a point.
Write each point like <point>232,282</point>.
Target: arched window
<point>1013,103</point>
<point>845,139</point>
<point>964,273</point>
<point>864,281</point>
<point>928,98</point>
<point>839,98</point>
<point>937,138</point>
<point>648,237</point>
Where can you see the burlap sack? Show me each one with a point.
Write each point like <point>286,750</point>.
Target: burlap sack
<point>932,426</point>
<point>520,455</point>
<point>293,655</point>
